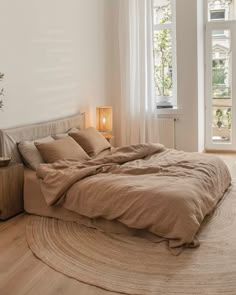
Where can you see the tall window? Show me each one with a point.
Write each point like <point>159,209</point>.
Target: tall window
<point>165,53</point>
<point>220,66</point>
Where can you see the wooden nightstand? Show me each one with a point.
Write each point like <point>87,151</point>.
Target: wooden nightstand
<point>11,190</point>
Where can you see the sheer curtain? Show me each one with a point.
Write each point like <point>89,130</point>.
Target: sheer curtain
<point>138,111</point>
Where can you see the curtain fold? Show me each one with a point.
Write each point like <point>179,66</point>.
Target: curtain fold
<point>137,107</point>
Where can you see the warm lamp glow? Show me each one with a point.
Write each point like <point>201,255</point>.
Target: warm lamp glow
<point>104,119</point>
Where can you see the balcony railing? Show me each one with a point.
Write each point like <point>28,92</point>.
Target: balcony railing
<point>221,120</point>
<point>221,91</point>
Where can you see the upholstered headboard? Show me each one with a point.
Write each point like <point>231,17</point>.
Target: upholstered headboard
<point>10,137</point>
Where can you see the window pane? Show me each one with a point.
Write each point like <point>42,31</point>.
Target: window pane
<point>163,64</point>
<point>218,15</point>
<point>162,12</point>
<point>220,10</point>
<point>221,87</point>
<point>220,65</point>
<point>219,32</point>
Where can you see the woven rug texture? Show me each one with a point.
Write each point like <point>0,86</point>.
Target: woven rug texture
<point>133,265</point>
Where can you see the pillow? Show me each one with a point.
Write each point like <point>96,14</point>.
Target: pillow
<point>91,141</point>
<point>30,154</point>
<point>64,148</point>
<point>62,135</point>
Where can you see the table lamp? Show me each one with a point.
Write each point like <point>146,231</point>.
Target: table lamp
<point>104,120</point>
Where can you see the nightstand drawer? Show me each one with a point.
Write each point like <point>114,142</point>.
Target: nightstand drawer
<point>11,190</point>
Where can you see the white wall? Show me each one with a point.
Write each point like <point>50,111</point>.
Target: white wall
<point>53,54</point>
<point>190,75</point>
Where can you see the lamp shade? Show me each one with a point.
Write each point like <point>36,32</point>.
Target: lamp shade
<point>104,118</point>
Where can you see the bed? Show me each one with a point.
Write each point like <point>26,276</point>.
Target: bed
<point>34,202</point>
<point>143,189</point>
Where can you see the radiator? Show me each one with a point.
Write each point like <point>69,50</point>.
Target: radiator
<point>166,128</point>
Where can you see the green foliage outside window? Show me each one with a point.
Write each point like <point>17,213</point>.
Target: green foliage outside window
<point>219,76</point>
<point>228,114</point>
<point>163,49</point>
<point>219,115</point>
<point>220,90</point>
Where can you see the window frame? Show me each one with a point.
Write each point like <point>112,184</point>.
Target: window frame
<point>212,25</point>
<point>172,27</point>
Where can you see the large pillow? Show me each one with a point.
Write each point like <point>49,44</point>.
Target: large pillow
<point>30,154</point>
<point>64,148</point>
<point>91,141</point>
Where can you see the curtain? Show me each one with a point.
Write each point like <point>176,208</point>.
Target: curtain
<point>138,113</point>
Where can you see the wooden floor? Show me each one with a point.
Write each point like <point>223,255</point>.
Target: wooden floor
<point>22,273</point>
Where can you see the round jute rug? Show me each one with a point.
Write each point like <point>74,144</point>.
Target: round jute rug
<point>137,266</point>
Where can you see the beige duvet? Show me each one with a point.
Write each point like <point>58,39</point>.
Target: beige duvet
<point>144,186</point>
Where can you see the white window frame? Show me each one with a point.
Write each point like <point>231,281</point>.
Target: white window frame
<point>172,27</point>
<point>211,26</point>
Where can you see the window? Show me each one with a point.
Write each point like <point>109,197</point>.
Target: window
<point>165,53</point>
<point>217,14</point>
<point>220,10</point>
<point>220,69</point>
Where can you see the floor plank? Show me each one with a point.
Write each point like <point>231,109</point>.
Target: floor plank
<point>21,273</point>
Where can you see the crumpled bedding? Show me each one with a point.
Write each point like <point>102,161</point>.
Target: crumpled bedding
<point>145,187</point>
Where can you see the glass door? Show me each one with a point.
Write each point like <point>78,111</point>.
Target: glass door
<point>221,85</point>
